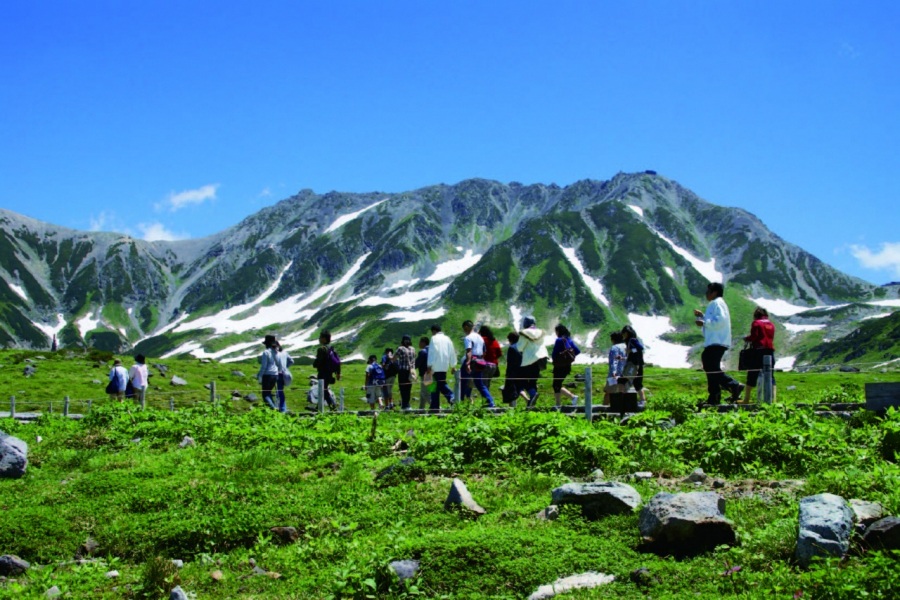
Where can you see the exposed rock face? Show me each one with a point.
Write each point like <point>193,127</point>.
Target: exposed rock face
<point>460,496</point>
<point>865,513</point>
<point>826,523</point>
<point>883,534</point>
<point>598,499</point>
<point>687,523</point>
<point>13,456</point>
<point>11,565</point>
<point>405,569</point>
<point>573,582</point>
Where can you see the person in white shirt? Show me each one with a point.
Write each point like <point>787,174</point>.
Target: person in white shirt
<point>441,359</point>
<point>118,378</point>
<point>474,347</point>
<point>139,376</point>
<point>716,324</point>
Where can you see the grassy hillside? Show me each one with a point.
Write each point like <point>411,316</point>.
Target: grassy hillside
<point>120,477</point>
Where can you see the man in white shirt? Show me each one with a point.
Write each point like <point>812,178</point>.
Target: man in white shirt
<point>716,324</point>
<point>441,358</point>
<point>474,347</point>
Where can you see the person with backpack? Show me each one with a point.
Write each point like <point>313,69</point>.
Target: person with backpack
<point>633,372</point>
<point>534,357</point>
<point>405,358</point>
<point>563,355</point>
<point>268,370</point>
<point>391,369</point>
<point>138,376</point>
<point>513,386</point>
<point>284,362</point>
<point>118,380</point>
<point>616,363</point>
<point>474,364</point>
<point>374,382</point>
<point>327,363</point>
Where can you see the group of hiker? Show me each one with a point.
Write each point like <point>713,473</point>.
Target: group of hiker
<point>480,364</point>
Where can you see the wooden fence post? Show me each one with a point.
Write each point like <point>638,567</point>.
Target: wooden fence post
<point>588,396</point>
<point>66,402</point>
<point>767,379</point>
<point>142,394</point>
<point>212,391</point>
<point>12,407</point>
<point>172,403</point>
<point>342,400</point>
<point>422,391</point>
<point>321,393</point>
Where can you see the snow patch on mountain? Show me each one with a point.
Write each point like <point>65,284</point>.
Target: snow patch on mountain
<point>669,271</point>
<point>87,323</point>
<point>650,330</point>
<point>407,299</point>
<point>781,308</point>
<point>707,268</point>
<point>892,302</point>
<point>593,284</point>
<point>51,330</point>
<point>792,328</point>
<point>409,316</point>
<point>344,219</point>
<point>878,316</point>
<point>452,268</point>
<point>785,363</point>
<point>17,289</point>
<point>290,309</point>
<point>516,315</point>
<point>637,209</point>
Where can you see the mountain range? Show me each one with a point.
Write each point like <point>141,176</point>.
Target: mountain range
<point>595,255</point>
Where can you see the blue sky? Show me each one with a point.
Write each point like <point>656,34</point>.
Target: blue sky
<point>169,119</point>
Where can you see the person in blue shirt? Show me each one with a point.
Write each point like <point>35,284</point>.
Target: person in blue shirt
<point>563,355</point>
<point>716,324</point>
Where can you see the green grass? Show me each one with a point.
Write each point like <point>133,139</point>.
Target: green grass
<point>120,477</point>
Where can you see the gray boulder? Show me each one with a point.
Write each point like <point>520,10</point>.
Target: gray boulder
<point>53,592</point>
<point>11,565</point>
<point>865,513</point>
<point>598,499</point>
<point>459,496</point>
<point>178,381</point>
<point>883,534</point>
<point>13,456</point>
<point>405,569</point>
<point>187,441</point>
<point>697,476</point>
<point>551,513</point>
<point>177,594</point>
<point>826,522</point>
<point>687,523</point>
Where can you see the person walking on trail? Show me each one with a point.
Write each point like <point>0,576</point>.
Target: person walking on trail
<point>762,339</point>
<point>534,357</point>
<point>493,354</point>
<point>374,382</point>
<point>139,376</point>
<point>716,324</point>
<point>563,355</point>
<point>284,362</point>
<point>514,385</point>
<point>389,364</point>
<point>441,360</point>
<point>633,372</point>
<point>474,348</point>
<point>327,364</point>
<point>405,358</point>
<point>118,380</point>
<point>616,365</point>
<point>268,370</point>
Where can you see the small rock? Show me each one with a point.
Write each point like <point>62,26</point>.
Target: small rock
<point>641,577</point>
<point>405,569</point>
<point>285,535</point>
<point>551,513</point>
<point>89,548</point>
<point>865,512</point>
<point>883,534</point>
<point>11,565</point>
<point>53,592</point>
<point>112,574</point>
<point>236,395</point>
<point>573,582</point>
<point>38,439</point>
<point>178,594</point>
<point>792,387</point>
<point>135,440</point>
<point>178,563</point>
<point>216,575</point>
<point>460,496</point>
<point>597,475</point>
<point>186,442</point>
<point>697,476</point>
<point>259,571</point>
<point>178,381</point>
<point>718,484</point>
<point>826,522</point>
<point>96,382</point>
<point>251,397</point>
<point>641,476</point>
<point>238,374</point>
<point>207,386</point>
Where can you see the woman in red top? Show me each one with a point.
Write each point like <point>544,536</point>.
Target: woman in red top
<point>492,354</point>
<point>762,337</point>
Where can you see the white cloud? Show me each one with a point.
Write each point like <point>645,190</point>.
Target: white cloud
<point>155,232</point>
<point>887,258</point>
<point>101,221</point>
<point>176,201</point>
